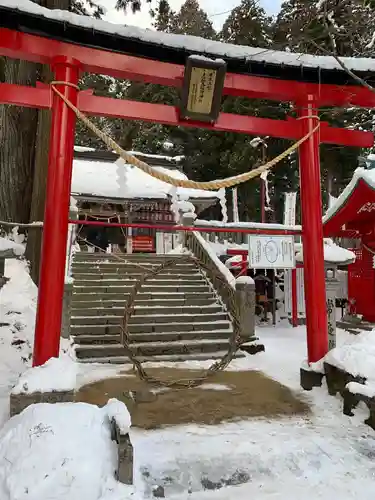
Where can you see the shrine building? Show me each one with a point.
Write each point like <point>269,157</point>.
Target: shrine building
<point>109,190</point>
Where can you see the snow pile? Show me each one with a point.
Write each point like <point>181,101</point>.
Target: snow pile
<point>57,374</point>
<point>61,451</point>
<point>180,205</point>
<point>17,316</point>
<point>356,356</point>
<point>117,410</point>
<point>365,390</point>
<point>332,253</point>
<point>179,250</point>
<point>245,280</point>
<point>9,245</point>
<point>73,205</point>
<point>120,180</point>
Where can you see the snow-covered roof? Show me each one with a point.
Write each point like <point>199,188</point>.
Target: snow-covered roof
<point>333,254</point>
<point>248,225</point>
<point>188,44</point>
<point>120,180</point>
<point>353,203</point>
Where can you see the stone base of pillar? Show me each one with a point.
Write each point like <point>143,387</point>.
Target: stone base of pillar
<point>252,348</point>
<point>310,379</point>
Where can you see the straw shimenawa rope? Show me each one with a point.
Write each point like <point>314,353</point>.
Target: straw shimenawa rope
<point>211,185</point>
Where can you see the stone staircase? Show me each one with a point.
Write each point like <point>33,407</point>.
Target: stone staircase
<point>177,314</point>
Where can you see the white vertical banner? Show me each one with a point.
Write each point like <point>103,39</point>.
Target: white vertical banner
<point>290,209</point>
<point>301,310</point>
<point>160,243</point>
<point>236,217</point>
<point>129,241</point>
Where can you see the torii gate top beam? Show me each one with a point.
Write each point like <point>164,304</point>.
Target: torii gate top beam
<point>121,52</point>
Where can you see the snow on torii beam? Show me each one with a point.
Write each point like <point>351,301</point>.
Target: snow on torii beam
<point>36,49</point>
<point>40,97</point>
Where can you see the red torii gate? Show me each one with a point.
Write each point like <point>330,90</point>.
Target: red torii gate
<point>70,49</point>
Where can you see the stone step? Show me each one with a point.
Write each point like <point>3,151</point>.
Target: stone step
<point>141,296</point>
<point>151,337</point>
<point>143,300</point>
<point>152,349</point>
<point>122,289</point>
<point>134,257</point>
<point>151,327</point>
<point>156,260</point>
<point>149,318</point>
<point>114,282</point>
<point>163,358</point>
<point>140,310</point>
<point>95,276</point>
<point>124,268</point>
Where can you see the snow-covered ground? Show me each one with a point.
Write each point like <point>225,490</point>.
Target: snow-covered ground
<point>17,309</point>
<point>323,455</point>
<point>318,457</point>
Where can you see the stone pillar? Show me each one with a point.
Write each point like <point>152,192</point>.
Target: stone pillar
<point>66,315</point>
<point>245,301</point>
<point>188,221</point>
<point>3,279</point>
<point>332,284</point>
<point>5,254</point>
<point>124,472</point>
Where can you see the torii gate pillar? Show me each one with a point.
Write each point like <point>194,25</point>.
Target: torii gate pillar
<point>312,235</point>
<point>56,213</point>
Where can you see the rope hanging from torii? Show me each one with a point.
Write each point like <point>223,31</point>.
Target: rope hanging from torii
<point>211,185</point>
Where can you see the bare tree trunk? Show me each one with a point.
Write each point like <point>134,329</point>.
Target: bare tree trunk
<point>17,146</point>
<point>34,240</point>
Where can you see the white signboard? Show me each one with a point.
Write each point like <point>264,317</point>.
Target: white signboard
<point>290,209</point>
<point>271,252</point>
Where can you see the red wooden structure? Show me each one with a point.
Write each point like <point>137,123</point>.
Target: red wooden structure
<point>354,213</point>
<point>70,47</point>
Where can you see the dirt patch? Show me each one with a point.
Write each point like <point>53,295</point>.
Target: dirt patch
<point>227,396</point>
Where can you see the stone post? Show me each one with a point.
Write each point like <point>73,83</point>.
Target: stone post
<point>67,304</point>
<point>245,301</point>
<point>125,466</point>
<point>5,254</point>
<point>332,284</point>
<point>3,279</point>
<point>187,221</point>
